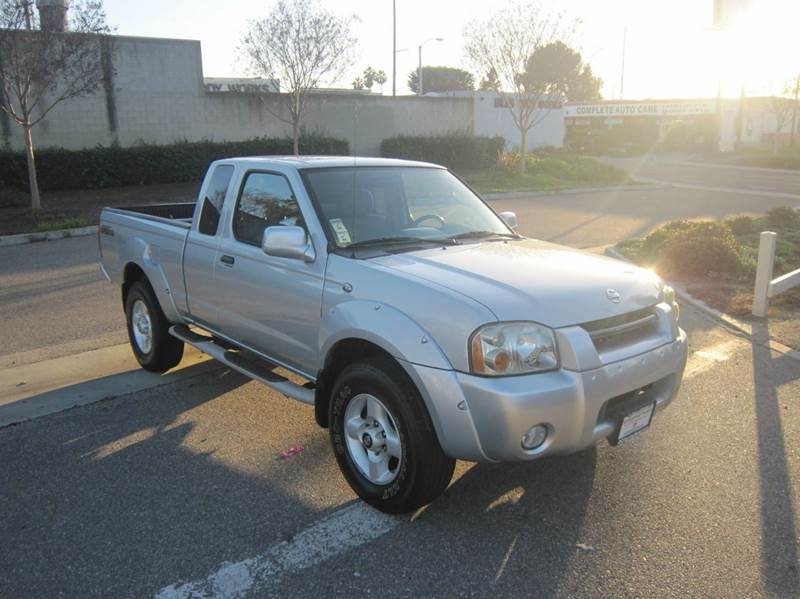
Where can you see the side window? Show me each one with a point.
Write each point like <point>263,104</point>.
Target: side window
<point>266,200</point>
<point>212,201</point>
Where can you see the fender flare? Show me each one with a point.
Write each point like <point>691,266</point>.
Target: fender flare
<point>149,263</point>
<point>392,331</point>
<point>382,325</point>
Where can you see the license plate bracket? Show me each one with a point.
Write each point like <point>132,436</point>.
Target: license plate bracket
<point>633,422</point>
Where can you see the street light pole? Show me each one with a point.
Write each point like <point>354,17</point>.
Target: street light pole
<point>394,47</point>
<point>419,72</point>
<point>622,68</point>
<point>420,88</point>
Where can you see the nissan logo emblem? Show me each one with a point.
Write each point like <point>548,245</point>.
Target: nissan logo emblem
<point>613,296</point>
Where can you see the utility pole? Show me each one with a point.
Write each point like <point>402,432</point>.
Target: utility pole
<point>394,47</point>
<point>739,120</point>
<point>622,70</point>
<point>794,109</point>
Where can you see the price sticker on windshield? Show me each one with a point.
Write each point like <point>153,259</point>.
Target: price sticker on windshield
<point>342,234</point>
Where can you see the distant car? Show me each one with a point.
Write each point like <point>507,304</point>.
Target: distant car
<point>425,327</point>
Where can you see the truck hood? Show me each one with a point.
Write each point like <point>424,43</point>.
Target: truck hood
<point>533,280</point>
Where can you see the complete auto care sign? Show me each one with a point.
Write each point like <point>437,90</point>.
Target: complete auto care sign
<point>667,108</point>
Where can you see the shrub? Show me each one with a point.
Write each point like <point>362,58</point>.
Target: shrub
<point>741,225</point>
<point>563,166</point>
<point>454,150</point>
<point>700,248</point>
<point>697,248</point>
<point>654,242</point>
<point>115,166</point>
<point>783,217</point>
<point>632,248</point>
<point>748,261</point>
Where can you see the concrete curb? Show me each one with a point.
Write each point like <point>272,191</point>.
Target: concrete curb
<point>741,327</point>
<point>23,238</point>
<point>518,195</point>
<point>31,391</point>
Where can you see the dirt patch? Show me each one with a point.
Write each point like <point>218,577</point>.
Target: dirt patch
<point>80,208</point>
<point>737,300</point>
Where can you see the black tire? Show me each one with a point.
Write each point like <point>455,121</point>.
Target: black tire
<point>165,351</point>
<point>424,471</point>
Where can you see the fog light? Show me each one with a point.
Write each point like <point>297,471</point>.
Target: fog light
<point>534,437</point>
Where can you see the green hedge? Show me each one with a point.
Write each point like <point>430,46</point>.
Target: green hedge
<point>114,166</point>
<point>456,150</point>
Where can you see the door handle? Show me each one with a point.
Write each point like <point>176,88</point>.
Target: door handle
<point>226,259</point>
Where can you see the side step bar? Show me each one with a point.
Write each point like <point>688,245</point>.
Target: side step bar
<point>251,366</point>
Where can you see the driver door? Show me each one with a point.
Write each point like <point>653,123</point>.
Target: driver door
<point>274,302</point>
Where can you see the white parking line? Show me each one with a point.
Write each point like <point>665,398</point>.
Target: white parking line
<point>707,358</point>
<point>343,530</point>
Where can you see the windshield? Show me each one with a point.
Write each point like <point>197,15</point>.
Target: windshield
<point>403,204</point>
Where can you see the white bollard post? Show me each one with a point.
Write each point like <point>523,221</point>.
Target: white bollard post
<point>766,261</point>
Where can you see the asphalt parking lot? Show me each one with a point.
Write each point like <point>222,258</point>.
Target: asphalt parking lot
<point>181,491</point>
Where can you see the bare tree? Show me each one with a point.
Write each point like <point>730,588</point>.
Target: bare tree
<point>502,44</point>
<point>40,69</point>
<point>302,45</point>
<point>781,108</point>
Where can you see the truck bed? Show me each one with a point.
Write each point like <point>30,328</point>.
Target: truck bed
<point>153,238</point>
<point>181,212</point>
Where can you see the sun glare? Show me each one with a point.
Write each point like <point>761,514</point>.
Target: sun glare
<point>759,51</point>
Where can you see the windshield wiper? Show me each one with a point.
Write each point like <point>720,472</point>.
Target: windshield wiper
<point>378,241</point>
<point>483,234</point>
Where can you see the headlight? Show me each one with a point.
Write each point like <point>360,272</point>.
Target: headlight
<point>668,296</point>
<point>513,348</point>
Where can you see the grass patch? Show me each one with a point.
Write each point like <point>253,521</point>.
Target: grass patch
<point>786,158</point>
<point>55,225</point>
<point>545,171</point>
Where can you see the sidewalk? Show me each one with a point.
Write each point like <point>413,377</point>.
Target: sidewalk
<point>55,385</point>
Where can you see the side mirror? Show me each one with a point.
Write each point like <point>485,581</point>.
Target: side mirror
<point>288,242</point>
<point>509,218</point>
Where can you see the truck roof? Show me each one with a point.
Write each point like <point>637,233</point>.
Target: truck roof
<point>303,162</point>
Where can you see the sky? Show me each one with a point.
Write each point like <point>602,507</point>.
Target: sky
<point>671,49</point>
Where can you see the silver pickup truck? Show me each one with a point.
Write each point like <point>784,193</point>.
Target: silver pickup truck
<point>419,324</point>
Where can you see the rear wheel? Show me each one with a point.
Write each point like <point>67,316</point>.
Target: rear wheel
<point>148,330</point>
<point>383,438</point>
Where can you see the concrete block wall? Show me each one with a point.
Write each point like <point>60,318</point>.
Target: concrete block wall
<point>158,97</point>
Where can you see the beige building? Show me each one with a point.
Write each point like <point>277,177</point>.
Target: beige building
<point>687,124</point>
<point>157,94</point>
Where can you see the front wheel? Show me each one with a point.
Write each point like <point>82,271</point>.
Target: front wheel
<point>148,330</point>
<point>383,438</point>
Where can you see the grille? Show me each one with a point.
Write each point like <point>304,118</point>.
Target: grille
<point>621,330</point>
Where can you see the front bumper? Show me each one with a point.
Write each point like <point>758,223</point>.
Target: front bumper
<point>484,419</point>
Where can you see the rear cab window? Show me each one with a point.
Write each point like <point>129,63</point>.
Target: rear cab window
<point>213,199</point>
